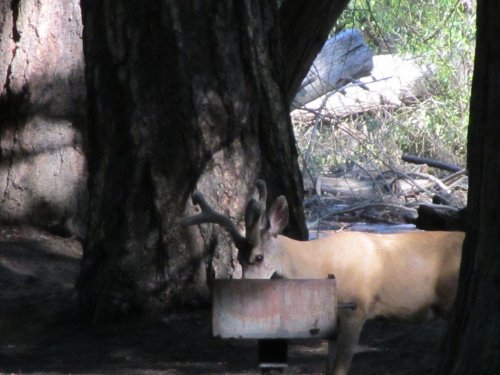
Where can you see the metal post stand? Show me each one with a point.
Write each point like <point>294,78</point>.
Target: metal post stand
<point>273,356</point>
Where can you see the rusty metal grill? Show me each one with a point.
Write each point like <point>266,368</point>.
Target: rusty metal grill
<point>274,309</point>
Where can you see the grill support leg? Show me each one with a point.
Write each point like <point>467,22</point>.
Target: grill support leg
<point>273,356</point>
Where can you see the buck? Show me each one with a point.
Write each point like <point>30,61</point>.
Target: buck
<point>411,275</point>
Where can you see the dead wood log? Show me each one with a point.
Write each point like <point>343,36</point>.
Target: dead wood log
<point>431,163</point>
<point>349,187</point>
<point>440,217</point>
<point>394,81</point>
<point>343,59</point>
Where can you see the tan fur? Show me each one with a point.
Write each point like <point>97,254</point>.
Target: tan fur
<point>406,275</point>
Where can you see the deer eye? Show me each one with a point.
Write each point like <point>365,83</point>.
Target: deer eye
<point>259,258</point>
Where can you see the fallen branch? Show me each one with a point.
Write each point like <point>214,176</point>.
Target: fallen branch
<point>434,179</point>
<point>455,178</point>
<point>411,212</point>
<point>431,163</point>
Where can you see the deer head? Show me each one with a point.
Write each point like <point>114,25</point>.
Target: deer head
<point>258,250</point>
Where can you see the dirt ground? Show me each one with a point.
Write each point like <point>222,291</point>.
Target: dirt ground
<point>39,333</point>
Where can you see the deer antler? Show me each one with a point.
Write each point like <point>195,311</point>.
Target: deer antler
<point>254,214</point>
<point>255,218</point>
<point>262,189</point>
<point>208,215</point>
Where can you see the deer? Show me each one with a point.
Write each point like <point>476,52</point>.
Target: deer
<point>408,275</point>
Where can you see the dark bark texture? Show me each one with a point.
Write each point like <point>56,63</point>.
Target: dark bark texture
<point>472,345</point>
<point>42,114</point>
<point>180,95</point>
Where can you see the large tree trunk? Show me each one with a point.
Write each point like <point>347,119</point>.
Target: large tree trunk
<point>473,342</point>
<point>180,95</point>
<point>42,93</point>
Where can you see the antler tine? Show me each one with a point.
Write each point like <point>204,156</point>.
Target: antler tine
<point>254,214</point>
<point>208,215</point>
<point>262,189</point>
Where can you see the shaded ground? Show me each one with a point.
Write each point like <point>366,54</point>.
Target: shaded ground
<point>40,335</point>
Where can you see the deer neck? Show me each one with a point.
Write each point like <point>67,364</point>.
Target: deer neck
<point>293,258</point>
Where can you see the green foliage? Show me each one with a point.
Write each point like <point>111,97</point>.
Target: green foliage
<point>441,34</point>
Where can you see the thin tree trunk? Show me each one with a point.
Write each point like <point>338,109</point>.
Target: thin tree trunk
<point>473,341</point>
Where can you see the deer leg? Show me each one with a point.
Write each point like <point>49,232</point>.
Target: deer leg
<point>341,350</point>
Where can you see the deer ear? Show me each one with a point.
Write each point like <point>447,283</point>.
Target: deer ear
<point>278,216</point>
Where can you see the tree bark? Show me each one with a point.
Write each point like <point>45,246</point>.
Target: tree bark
<point>305,26</point>
<point>42,92</point>
<point>180,95</point>
<point>472,343</point>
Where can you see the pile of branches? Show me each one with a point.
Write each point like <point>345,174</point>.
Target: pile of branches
<point>393,197</point>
